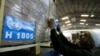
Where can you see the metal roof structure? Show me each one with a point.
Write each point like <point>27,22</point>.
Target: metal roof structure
<point>79,14</point>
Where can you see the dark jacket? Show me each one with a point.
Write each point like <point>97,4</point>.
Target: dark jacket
<point>63,46</point>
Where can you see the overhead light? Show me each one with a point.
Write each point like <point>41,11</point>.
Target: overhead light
<point>81,23</point>
<point>84,15</point>
<point>92,15</point>
<point>64,18</point>
<point>86,24</point>
<point>83,20</point>
<point>97,24</point>
<point>67,22</point>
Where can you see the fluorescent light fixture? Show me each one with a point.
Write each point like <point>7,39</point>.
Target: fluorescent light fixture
<point>67,22</point>
<point>91,15</point>
<point>83,20</point>
<point>97,24</point>
<point>64,18</point>
<point>81,23</point>
<point>86,24</point>
<point>84,15</point>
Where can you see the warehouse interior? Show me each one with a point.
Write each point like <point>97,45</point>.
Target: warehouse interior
<point>24,27</point>
<point>82,14</point>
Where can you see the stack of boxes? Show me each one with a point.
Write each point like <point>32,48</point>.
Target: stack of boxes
<point>29,10</point>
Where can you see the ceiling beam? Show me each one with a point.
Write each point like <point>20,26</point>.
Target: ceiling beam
<point>78,14</point>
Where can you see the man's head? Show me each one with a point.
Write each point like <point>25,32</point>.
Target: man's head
<point>86,41</point>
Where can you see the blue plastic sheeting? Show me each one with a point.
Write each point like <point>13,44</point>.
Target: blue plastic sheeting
<point>53,53</point>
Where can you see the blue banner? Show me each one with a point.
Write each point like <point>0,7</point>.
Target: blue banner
<point>17,29</point>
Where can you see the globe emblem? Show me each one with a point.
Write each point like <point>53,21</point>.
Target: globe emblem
<point>13,23</point>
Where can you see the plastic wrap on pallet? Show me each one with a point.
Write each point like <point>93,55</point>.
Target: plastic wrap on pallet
<point>14,8</point>
<point>31,11</point>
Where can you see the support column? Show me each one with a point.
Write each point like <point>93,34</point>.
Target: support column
<point>2,3</point>
<point>35,51</point>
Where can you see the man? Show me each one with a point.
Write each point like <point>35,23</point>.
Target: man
<point>63,46</point>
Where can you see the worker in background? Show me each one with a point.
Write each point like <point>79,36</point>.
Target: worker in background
<point>86,41</point>
<point>63,46</point>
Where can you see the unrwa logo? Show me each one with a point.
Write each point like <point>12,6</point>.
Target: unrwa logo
<point>13,23</point>
<point>17,24</point>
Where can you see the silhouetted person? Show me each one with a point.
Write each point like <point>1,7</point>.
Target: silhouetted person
<point>63,46</point>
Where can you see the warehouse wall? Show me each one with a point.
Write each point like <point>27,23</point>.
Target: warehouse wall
<point>33,11</point>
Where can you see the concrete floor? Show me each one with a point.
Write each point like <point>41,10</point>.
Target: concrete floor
<point>44,51</point>
<point>15,53</point>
